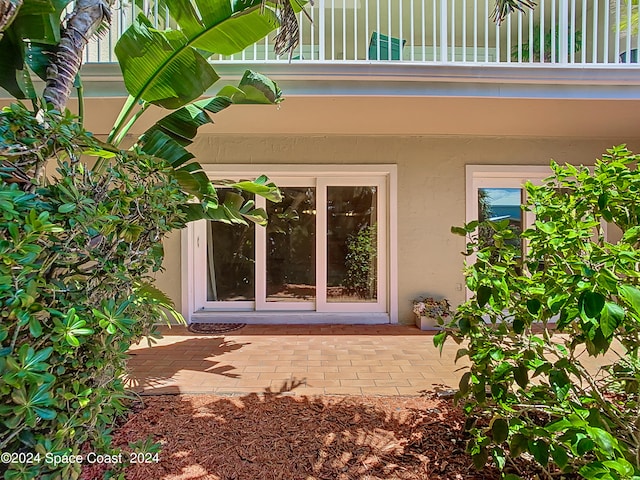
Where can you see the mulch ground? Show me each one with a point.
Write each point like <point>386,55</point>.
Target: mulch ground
<point>279,437</point>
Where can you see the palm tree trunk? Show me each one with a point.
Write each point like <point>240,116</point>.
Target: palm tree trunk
<point>87,19</point>
<point>8,12</point>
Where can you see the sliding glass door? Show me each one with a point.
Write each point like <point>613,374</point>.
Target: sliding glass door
<point>324,250</point>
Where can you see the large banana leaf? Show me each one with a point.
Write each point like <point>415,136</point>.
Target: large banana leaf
<point>26,44</point>
<point>168,138</point>
<point>169,67</point>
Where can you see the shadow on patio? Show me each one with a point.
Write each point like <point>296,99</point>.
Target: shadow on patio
<point>160,366</point>
<point>330,359</point>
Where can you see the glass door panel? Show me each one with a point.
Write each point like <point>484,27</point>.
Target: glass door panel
<point>230,258</point>
<point>501,204</point>
<point>291,246</point>
<point>352,244</point>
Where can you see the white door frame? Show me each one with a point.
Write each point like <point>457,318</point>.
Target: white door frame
<point>194,237</point>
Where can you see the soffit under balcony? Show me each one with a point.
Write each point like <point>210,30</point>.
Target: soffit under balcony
<point>613,81</point>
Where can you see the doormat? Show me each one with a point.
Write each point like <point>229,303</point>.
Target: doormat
<point>214,328</point>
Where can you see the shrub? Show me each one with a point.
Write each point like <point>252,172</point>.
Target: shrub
<point>361,262</point>
<point>528,393</point>
<point>75,291</point>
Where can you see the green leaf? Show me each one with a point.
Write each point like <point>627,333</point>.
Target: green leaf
<point>603,199</point>
<point>593,470</point>
<point>559,425</point>
<point>533,305</point>
<point>603,439</point>
<point>465,325</point>
<point>463,385</point>
<point>160,67</point>
<point>438,339</point>
<point>169,68</point>
<point>159,144</point>
<point>518,445</point>
<point>34,358</point>
<point>499,430</point>
<point>72,340</point>
<point>559,456</point>
<point>259,89</point>
<point>99,152</point>
<point>45,413</point>
<point>540,451</point>
<point>620,465</point>
<point>194,182</point>
<point>546,227</point>
<point>556,302</point>
<point>560,383</point>
<point>521,375</point>
<point>483,294</point>
<point>480,459</point>
<point>518,325</point>
<point>66,208</point>
<point>35,328</point>
<point>591,304</point>
<point>632,295</point>
<point>499,457</point>
<point>611,316</point>
<point>183,124</point>
<point>14,76</point>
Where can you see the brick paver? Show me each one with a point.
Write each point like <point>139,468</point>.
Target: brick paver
<point>306,359</point>
<point>302,359</point>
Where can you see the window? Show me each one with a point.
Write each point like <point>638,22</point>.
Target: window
<point>496,192</point>
<point>326,248</point>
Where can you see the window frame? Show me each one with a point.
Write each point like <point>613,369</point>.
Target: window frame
<point>503,176</point>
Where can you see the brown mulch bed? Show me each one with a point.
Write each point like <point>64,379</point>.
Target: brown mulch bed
<point>280,437</point>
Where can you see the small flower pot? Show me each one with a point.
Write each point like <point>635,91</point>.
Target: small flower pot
<point>427,323</point>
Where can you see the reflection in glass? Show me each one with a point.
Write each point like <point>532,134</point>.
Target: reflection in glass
<point>497,204</point>
<point>352,244</point>
<point>230,258</point>
<point>291,246</point>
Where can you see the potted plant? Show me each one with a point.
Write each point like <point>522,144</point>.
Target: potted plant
<point>431,313</point>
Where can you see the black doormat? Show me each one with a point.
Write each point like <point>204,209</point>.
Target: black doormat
<point>214,328</point>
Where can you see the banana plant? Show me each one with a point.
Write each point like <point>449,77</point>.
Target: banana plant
<point>29,33</point>
<point>168,137</point>
<point>166,68</point>
<point>169,69</point>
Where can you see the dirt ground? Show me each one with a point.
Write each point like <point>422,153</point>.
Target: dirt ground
<point>276,436</point>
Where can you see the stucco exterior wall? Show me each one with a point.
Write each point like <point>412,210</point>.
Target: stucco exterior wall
<point>431,190</point>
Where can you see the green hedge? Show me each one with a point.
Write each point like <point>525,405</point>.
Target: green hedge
<point>75,291</point>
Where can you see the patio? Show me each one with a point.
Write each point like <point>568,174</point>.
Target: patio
<point>302,359</point>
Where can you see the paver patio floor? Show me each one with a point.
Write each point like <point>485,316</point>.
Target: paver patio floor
<point>302,359</point>
<point>306,359</point>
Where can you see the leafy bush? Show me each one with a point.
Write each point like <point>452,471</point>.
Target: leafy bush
<point>528,394</point>
<point>75,291</point>
<point>361,262</point>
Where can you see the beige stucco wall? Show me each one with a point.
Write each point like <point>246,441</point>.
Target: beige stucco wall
<point>431,190</point>
<point>430,139</point>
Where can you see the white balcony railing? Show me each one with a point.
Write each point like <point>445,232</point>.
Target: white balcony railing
<point>563,32</point>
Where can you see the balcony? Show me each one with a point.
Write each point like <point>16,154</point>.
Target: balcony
<point>582,43</point>
<point>559,32</point>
